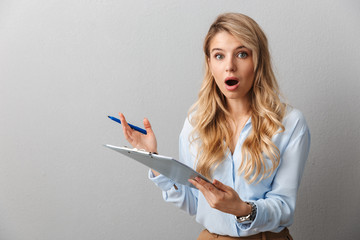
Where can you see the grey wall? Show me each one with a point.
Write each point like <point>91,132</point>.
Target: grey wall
<point>65,65</point>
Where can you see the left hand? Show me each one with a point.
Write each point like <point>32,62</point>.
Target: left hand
<point>139,140</point>
<point>221,197</point>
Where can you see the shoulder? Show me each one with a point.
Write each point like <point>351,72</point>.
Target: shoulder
<point>293,114</point>
<point>187,128</point>
<point>294,121</point>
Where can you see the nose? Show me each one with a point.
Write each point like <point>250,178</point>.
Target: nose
<point>230,65</point>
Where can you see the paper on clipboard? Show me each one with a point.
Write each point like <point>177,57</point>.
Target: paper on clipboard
<point>167,166</point>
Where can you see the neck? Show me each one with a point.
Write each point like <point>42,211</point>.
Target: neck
<point>238,108</point>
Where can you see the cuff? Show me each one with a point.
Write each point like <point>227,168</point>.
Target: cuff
<point>161,181</point>
<point>253,224</point>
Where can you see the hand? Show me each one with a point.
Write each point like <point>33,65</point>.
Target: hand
<point>221,197</point>
<point>137,139</point>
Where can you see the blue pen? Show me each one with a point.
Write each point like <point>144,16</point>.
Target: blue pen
<point>143,131</point>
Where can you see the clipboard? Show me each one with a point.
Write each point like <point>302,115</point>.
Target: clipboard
<point>167,166</point>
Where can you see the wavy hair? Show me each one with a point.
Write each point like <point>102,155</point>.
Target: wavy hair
<point>212,132</point>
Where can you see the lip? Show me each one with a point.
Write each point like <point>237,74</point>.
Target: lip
<point>233,87</point>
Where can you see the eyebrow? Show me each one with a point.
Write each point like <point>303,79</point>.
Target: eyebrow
<point>219,49</point>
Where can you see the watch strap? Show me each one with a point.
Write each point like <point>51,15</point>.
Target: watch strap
<point>250,217</point>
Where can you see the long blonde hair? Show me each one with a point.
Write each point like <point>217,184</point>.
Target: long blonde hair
<point>212,132</point>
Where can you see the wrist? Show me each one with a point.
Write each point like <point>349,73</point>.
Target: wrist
<point>249,217</point>
<point>242,209</point>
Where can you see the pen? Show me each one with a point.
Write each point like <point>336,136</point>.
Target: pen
<point>143,131</point>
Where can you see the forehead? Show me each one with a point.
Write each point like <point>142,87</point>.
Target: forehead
<point>225,41</point>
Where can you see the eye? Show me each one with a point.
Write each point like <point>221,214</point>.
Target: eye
<point>242,55</point>
<point>219,56</point>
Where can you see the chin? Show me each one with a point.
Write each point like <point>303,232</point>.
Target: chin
<point>235,96</point>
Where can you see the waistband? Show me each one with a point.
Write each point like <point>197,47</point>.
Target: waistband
<point>284,234</point>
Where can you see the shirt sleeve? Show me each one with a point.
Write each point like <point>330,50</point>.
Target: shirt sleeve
<point>276,209</point>
<point>183,197</point>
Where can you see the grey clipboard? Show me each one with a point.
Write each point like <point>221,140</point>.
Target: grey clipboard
<point>167,166</point>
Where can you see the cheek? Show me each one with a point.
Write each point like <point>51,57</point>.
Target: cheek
<point>251,74</point>
<point>217,81</point>
<point>250,71</point>
<point>215,70</point>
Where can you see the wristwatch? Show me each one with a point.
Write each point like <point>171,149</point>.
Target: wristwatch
<point>250,217</point>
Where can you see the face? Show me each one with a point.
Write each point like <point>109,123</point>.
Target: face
<point>231,65</point>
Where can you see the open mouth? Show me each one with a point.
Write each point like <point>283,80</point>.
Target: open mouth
<point>231,82</point>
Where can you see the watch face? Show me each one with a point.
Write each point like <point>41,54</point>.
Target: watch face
<point>243,219</point>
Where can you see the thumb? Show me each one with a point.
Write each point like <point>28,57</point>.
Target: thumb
<point>147,126</point>
<point>220,185</point>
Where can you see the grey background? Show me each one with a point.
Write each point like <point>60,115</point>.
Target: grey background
<point>65,65</point>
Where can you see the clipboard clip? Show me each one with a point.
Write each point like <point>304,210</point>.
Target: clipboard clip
<point>141,150</point>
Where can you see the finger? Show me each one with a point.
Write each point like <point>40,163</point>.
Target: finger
<point>208,186</point>
<point>203,190</point>
<point>126,128</point>
<point>193,182</point>
<point>219,185</point>
<point>197,185</point>
<point>207,194</point>
<point>124,122</point>
<point>147,126</point>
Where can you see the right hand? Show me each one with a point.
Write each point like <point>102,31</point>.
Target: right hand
<point>138,140</point>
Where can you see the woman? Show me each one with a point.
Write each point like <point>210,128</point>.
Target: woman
<point>240,134</point>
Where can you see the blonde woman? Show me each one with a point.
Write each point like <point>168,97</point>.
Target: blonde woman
<point>240,134</point>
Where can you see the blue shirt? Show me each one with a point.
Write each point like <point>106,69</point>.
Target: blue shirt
<point>275,196</point>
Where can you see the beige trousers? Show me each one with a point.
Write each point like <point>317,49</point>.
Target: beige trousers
<point>283,235</point>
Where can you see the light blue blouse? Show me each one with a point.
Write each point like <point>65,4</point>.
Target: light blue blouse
<point>275,197</point>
